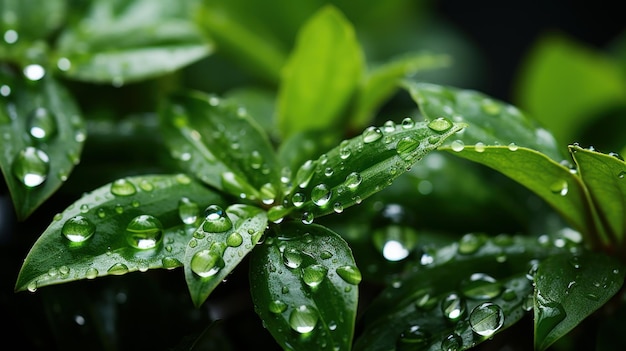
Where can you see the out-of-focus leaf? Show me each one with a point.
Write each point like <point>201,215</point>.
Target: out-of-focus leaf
<point>219,244</point>
<point>121,42</point>
<point>564,84</point>
<point>43,136</point>
<point>605,178</point>
<point>321,75</point>
<point>568,288</point>
<point>30,19</point>
<point>259,104</point>
<point>134,223</point>
<point>382,81</point>
<point>221,144</point>
<point>490,122</point>
<point>304,287</point>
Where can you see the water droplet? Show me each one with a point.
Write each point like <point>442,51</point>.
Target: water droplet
<point>183,179</point>
<point>146,185</point>
<point>481,286</point>
<point>320,195</point>
<point>292,258</point>
<point>479,147</point>
<point>234,240</point>
<point>457,146</point>
<point>470,243</point>
<point>372,134</point>
<point>217,220</point>
<point>406,147</point>
<point>452,342</point>
<point>118,269</point>
<point>550,314</point>
<point>31,166</point>
<point>42,124</point>
<point>337,207</point>
<point>188,210</point>
<point>344,149</point>
<point>350,274</point>
<point>513,147</point>
<point>453,307</point>
<point>144,232</point>
<point>353,180</point>
<point>206,263</point>
<point>305,173</point>
<point>277,306</point>
<point>91,273</point>
<point>171,262</point>
<point>621,175</point>
<point>303,319</point>
<point>491,107</point>
<point>298,199</point>
<point>325,255</point>
<point>486,319</point>
<point>440,124</point>
<point>559,187</point>
<point>328,171</point>
<point>123,187</point>
<point>389,127</point>
<point>413,338</point>
<point>34,72</point>
<point>307,217</point>
<point>313,275</point>
<point>78,229</point>
<point>268,193</point>
<point>509,295</point>
<point>408,123</point>
<point>256,160</point>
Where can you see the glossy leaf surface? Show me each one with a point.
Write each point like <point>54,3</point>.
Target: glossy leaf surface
<point>132,224</point>
<point>304,287</point>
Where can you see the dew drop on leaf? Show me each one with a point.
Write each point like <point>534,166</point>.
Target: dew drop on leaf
<point>314,275</point>
<point>320,195</point>
<point>307,218</point>
<point>123,187</point>
<point>207,263</point>
<point>277,306</point>
<point>457,146</point>
<point>234,240</point>
<point>256,160</point>
<point>31,166</point>
<point>344,150</point>
<point>303,319</point>
<point>188,210</point>
<point>389,127</point>
<point>42,124</point>
<point>91,273</point>
<point>371,134</point>
<point>350,274</point>
<point>550,314</point>
<point>486,319</point>
<point>337,207</point>
<point>559,187</point>
<point>408,123</point>
<point>118,269</point>
<point>452,342</point>
<point>78,229</point>
<point>513,147</point>
<point>405,148</point>
<point>170,262</point>
<point>216,220</point>
<point>353,180</point>
<point>453,307</point>
<point>440,125</point>
<point>481,286</point>
<point>470,243</point>
<point>479,147</point>
<point>292,258</point>
<point>298,199</point>
<point>144,232</point>
<point>413,338</point>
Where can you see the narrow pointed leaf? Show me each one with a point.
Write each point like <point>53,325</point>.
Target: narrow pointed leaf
<point>221,144</point>
<point>131,224</point>
<point>364,165</point>
<point>43,136</point>
<point>218,245</point>
<point>304,287</point>
<point>321,75</point>
<point>457,296</point>
<point>605,178</point>
<point>491,122</point>
<point>568,288</point>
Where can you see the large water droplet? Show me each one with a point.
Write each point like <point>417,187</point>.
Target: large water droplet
<point>320,195</point>
<point>292,258</point>
<point>559,187</point>
<point>31,166</point>
<point>350,274</point>
<point>314,275</point>
<point>408,123</point>
<point>144,232</point>
<point>217,220</point>
<point>298,199</point>
<point>188,210</point>
<point>78,229</point>
<point>42,124</point>
<point>551,313</point>
<point>486,319</point>
<point>123,187</point>
<point>440,124</point>
<point>206,263</point>
<point>234,240</point>
<point>457,146</point>
<point>277,306</point>
<point>453,307</point>
<point>413,338</point>
<point>353,180</point>
<point>372,134</point>
<point>303,319</point>
<point>481,286</point>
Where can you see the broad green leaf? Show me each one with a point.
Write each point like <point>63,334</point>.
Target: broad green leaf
<point>43,135</point>
<point>363,165</point>
<point>221,144</point>
<point>219,244</point>
<point>564,84</point>
<point>132,224</point>
<point>382,81</point>
<point>28,20</point>
<point>122,42</point>
<point>491,122</point>
<point>604,177</point>
<point>553,182</point>
<point>456,296</point>
<point>304,287</point>
<point>321,75</point>
<point>259,103</point>
<point>568,288</point>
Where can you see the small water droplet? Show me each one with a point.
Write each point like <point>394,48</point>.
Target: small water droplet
<point>307,217</point>
<point>42,124</point>
<point>353,180</point>
<point>217,220</point>
<point>303,319</point>
<point>453,307</point>
<point>328,171</point>
<point>313,275</point>
<point>513,147</point>
<point>337,207</point>
<point>268,193</point>
<point>481,286</point>
<point>408,123</point>
<point>91,273</point>
<point>452,342</point>
<point>78,229</point>
<point>277,306</point>
<point>559,187</point>
<point>470,243</point>
<point>479,147</point>
<point>298,199</point>
<point>457,146</point>
<point>234,240</point>
<point>292,258</point>
<point>123,187</point>
<point>621,175</point>
<point>31,166</point>
<point>350,274</point>
<point>389,127</point>
<point>118,269</point>
<point>144,232</point>
<point>188,210</point>
<point>372,134</point>
<point>440,124</point>
<point>406,148</point>
<point>344,149</point>
<point>413,338</point>
<point>171,262</point>
<point>486,319</point>
<point>207,263</point>
<point>320,195</point>
<point>146,185</point>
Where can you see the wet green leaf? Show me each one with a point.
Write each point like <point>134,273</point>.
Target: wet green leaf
<point>491,122</point>
<point>219,244</point>
<point>122,42</point>
<point>304,285</point>
<point>568,288</point>
<point>363,165</point>
<point>221,144</point>
<point>605,178</point>
<point>132,224</point>
<point>321,75</point>
<point>30,19</point>
<point>259,103</point>
<point>43,135</point>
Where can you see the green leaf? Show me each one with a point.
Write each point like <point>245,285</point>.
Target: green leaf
<point>568,288</point>
<point>221,144</point>
<point>219,244</point>
<point>118,224</point>
<point>438,301</point>
<point>491,122</point>
<point>321,75</point>
<point>382,81</point>
<point>259,103</point>
<point>31,19</point>
<point>43,136</point>
<point>564,84</point>
<point>603,175</point>
<point>120,42</point>
<point>363,165</point>
<point>304,287</point>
